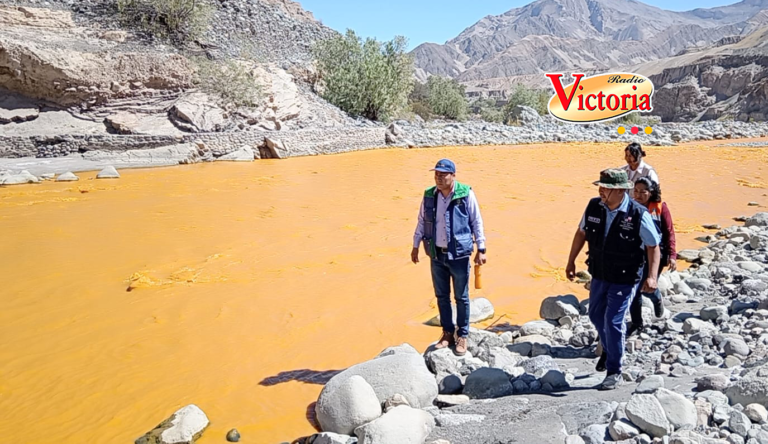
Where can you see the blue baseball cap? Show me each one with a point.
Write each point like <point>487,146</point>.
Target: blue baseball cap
<point>445,166</point>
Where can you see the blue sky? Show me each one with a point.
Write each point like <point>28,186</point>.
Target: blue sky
<point>432,20</point>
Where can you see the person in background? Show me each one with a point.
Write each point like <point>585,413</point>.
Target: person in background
<point>449,217</point>
<point>620,234</point>
<point>636,166</point>
<point>648,193</point>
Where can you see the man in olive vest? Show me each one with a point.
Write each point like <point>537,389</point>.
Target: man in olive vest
<point>449,217</point>
<point>620,234</point>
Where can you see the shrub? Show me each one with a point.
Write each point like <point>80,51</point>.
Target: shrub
<point>229,80</point>
<point>365,78</point>
<point>446,98</point>
<point>178,20</point>
<point>526,96</point>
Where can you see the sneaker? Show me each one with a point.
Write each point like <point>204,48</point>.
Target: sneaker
<point>446,340</point>
<point>600,367</point>
<point>461,346</point>
<point>610,382</point>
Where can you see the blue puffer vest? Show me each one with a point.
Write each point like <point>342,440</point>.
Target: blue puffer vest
<point>458,226</point>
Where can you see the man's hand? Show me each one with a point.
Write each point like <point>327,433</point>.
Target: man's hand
<point>480,258</point>
<point>672,264</point>
<point>415,255</point>
<point>650,285</point>
<point>570,271</point>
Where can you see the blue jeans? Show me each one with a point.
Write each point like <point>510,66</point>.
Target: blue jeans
<point>608,305</point>
<point>442,272</point>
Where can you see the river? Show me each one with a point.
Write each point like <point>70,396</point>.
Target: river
<point>249,280</point>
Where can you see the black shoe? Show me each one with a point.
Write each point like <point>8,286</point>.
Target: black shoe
<point>633,329</point>
<point>600,367</point>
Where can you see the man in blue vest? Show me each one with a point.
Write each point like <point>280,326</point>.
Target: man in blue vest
<point>620,234</point>
<point>448,219</point>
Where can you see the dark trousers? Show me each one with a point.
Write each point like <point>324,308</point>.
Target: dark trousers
<point>608,305</point>
<point>636,310</point>
<point>443,272</point>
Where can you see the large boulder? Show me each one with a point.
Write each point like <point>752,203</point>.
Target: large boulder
<point>524,114</point>
<point>403,373</point>
<point>401,425</point>
<point>183,427</point>
<point>243,154</point>
<point>748,390</point>
<point>480,309</point>
<point>694,325</point>
<point>486,383</point>
<point>647,413</point>
<point>556,307</point>
<point>351,405</point>
<point>758,220</point>
<point>18,178</point>
<point>198,112</point>
<point>108,172</point>
<point>680,411</point>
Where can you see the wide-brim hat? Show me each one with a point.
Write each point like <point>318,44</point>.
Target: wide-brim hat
<point>614,178</point>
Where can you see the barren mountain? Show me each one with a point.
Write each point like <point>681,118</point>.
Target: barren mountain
<point>587,35</point>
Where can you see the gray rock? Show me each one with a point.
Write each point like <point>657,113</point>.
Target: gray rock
<point>18,178</point>
<point>575,417</point>
<point>556,379</point>
<point>539,365</point>
<point>185,426</point>
<point>711,313</point>
<point>694,325</point>
<point>405,373</point>
<point>451,400</point>
<point>486,383</point>
<point>699,284</point>
<point>734,346</point>
<point>401,425</point>
<point>233,435</point>
<point>450,385</point>
<point>399,349</point>
<point>595,434</point>
<point>244,154</point>
<point>756,413</point>
<point>650,384</point>
<point>108,173</point>
<point>683,288</point>
<point>715,381</point>
<point>556,307</point>
<point>758,220</point>
<point>647,413</point>
<point>748,390</point>
<point>394,401</point>
<point>679,410</point>
<point>543,328</point>
<point>739,423</point>
<point>67,177</point>
<point>623,429</point>
<point>351,404</point>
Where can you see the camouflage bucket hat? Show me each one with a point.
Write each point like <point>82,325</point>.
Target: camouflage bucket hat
<point>614,178</point>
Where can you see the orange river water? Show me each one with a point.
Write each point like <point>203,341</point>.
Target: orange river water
<point>249,278</point>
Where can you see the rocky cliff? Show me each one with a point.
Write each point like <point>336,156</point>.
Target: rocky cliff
<point>522,44</point>
<point>72,68</point>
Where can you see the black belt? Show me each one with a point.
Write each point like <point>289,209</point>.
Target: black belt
<point>443,250</point>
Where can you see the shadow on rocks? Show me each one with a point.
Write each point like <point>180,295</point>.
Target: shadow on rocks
<point>306,376</point>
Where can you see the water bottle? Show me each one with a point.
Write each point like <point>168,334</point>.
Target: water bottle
<point>478,278</point>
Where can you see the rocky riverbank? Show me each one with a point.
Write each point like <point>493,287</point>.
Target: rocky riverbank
<point>55,155</point>
<point>696,375</point>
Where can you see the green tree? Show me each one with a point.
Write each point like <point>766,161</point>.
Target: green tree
<point>527,96</point>
<point>446,98</point>
<point>365,78</point>
<point>177,20</point>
